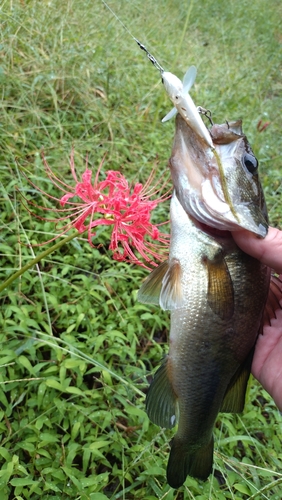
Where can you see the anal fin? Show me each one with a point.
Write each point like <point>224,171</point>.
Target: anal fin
<point>234,398</point>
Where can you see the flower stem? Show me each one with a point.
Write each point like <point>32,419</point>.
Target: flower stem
<point>37,259</point>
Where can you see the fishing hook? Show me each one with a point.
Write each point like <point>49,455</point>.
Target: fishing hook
<point>207,113</point>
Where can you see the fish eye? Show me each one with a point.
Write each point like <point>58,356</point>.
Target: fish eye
<point>250,163</point>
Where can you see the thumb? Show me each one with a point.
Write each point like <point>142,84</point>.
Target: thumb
<point>268,250</point>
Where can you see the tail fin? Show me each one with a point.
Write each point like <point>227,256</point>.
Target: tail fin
<point>183,462</point>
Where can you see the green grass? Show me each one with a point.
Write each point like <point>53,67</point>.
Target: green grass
<point>77,349</point>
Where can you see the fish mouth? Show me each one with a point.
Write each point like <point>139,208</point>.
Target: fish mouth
<point>197,181</point>
<point>198,173</point>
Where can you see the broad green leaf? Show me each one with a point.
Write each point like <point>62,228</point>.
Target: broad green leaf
<point>98,444</point>
<point>243,488</point>
<point>23,481</point>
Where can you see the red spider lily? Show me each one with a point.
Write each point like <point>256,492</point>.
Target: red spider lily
<point>262,126</point>
<point>112,202</point>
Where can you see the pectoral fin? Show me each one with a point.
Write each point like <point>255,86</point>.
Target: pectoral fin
<point>220,287</point>
<point>170,115</point>
<point>163,286</point>
<point>234,398</point>
<point>171,294</point>
<point>161,399</point>
<point>150,291</point>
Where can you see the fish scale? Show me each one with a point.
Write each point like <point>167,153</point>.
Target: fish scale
<point>216,294</point>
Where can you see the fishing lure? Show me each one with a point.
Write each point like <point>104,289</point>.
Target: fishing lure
<point>177,91</point>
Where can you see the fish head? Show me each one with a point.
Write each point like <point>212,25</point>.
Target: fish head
<point>220,187</point>
<point>241,171</point>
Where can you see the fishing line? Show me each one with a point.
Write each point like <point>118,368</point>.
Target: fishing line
<point>200,110</point>
<point>140,45</point>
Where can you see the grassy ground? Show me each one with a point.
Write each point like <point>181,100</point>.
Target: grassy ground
<point>77,350</point>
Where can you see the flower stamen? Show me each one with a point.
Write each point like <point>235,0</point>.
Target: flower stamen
<point>111,202</point>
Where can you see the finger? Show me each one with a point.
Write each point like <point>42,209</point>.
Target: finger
<point>268,250</point>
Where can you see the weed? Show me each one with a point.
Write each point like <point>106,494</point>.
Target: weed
<point>77,350</point>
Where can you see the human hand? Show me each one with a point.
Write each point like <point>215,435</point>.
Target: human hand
<point>267,361</point>
<point>268,250</point>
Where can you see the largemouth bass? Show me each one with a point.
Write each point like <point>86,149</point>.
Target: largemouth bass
<point>216,294</point>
